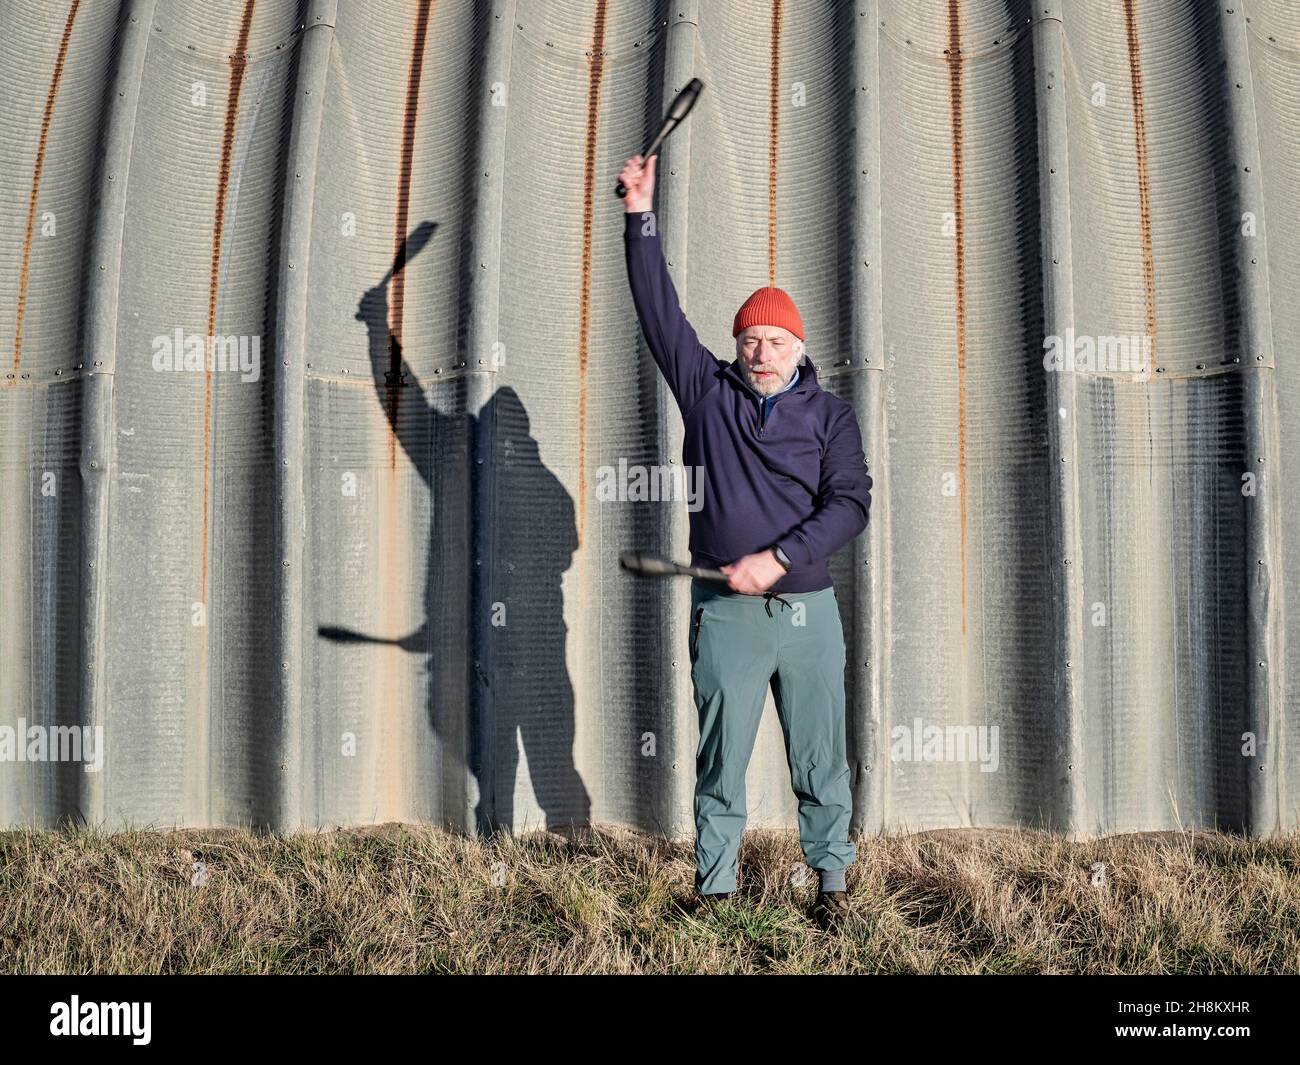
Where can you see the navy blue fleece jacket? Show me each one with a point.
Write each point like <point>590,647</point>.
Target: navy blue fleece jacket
<point>796,477</point>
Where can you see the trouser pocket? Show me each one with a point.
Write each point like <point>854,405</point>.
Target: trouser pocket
<point>695,633</point>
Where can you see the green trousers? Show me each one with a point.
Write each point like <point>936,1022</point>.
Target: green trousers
<point>739,645</point>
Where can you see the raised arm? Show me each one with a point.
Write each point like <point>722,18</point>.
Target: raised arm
<point>687,365</point>
<point>396,384</point>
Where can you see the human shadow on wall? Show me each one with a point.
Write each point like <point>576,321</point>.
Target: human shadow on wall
<point>517,621</point>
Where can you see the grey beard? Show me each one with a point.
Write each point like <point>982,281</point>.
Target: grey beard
<point>754,384</point>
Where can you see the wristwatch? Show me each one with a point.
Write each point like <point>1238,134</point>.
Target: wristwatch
<point>782,557</point>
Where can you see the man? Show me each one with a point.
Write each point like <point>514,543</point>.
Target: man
<point>785,486</point>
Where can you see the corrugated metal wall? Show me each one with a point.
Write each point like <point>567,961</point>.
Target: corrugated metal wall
<point>1098,563</point>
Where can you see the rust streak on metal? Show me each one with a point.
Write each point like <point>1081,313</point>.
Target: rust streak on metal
<point>238,63</point>
<point>1144,185</point>
<point>46,119</point>
<point>397,302</point>
<point>959,225</point>
<point>595,70</point>
<point>773,138</point>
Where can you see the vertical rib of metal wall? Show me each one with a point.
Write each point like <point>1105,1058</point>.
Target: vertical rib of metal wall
<point>99,359</point>
<point>290,387</point>
<point>673,178</point>
<point>1264,575</point>
<point>480,359</point>
<point>1067,803</point>
<point>868,637</point>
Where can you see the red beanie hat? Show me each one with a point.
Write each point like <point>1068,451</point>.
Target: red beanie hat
<point>769,306</point>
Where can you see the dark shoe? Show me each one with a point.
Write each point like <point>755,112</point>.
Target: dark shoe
<point>702,903</point>
<point>831,910</point>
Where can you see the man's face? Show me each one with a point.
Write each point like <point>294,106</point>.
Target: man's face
<point>768,356</point>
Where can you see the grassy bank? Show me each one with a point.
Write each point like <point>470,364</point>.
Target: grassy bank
<point>401,899</point>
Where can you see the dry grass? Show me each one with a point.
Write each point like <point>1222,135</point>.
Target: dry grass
<point>400,899</point>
